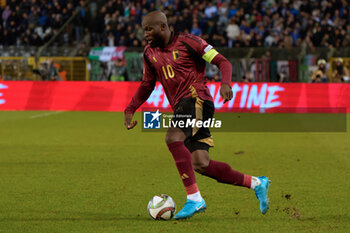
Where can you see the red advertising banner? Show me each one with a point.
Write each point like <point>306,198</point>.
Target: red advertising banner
<point>114,96</point>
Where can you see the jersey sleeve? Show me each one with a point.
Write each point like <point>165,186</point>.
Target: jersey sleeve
<point>205,50</point>
<point>209,54</point>
<point>145,89</point>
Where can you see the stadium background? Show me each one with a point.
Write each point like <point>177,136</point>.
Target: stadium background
<point>266,41</point>
<point>278,41</point>
<point>81,171</point>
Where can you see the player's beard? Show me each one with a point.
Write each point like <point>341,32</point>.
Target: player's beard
<point>157,41</point>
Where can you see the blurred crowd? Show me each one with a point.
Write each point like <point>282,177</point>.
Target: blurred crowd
<point>225,23</point>
<point>324,75</point>
<point>34,22</point>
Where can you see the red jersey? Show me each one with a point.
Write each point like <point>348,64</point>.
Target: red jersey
<point>180,68</point>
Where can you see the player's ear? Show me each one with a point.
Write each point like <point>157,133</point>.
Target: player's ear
<point>163,26</point>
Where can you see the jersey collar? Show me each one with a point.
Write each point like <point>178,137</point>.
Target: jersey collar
<point>171,40</point>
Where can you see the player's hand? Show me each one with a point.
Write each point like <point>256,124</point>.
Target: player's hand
<point>226,92</point>
<point>129,124</point>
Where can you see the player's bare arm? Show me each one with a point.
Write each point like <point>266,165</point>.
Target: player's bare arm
<point>141,95</point>
<point>226,92</point>
<point>225,68</point>
<point>129,124</point>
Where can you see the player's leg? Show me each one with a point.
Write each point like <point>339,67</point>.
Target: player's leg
<point>223,173</point>
<point>175,138</point>
<point>199,145</point>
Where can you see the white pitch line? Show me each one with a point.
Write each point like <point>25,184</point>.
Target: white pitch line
<point>46,114</point>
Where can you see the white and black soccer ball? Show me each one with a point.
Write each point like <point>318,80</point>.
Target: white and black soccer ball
<point>161,207</point>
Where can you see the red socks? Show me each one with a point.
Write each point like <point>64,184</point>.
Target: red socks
<point>183,160</point>
<point>223,173</point>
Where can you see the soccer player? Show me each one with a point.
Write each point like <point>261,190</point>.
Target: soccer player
<point>177,60</point>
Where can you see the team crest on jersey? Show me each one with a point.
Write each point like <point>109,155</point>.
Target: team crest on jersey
<point>175,54</point>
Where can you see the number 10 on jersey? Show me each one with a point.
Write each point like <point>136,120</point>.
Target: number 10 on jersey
<point>168,71</point>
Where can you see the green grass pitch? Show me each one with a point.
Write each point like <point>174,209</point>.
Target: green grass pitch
<point>83,172</point>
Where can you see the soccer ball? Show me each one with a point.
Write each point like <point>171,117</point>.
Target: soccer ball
<point>161,207</point>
